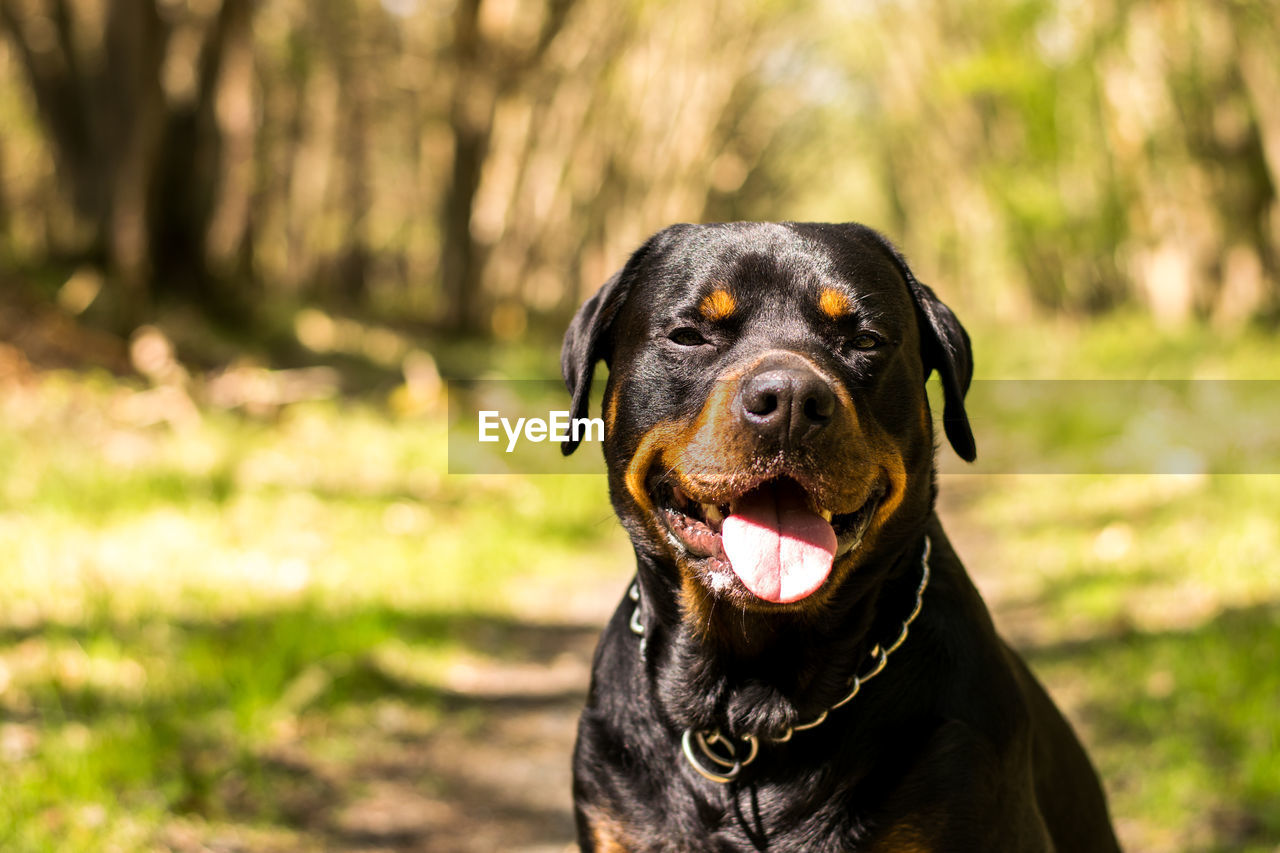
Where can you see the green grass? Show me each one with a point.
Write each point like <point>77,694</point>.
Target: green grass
<point>178,600</point>
<point>1123,347</point>
<point>1185,727</point>
<point>1150,605</point>
<point>206,622</point>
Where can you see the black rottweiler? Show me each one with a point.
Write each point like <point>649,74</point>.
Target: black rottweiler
<point>802,663</point>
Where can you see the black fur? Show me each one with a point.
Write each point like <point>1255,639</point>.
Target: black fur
<point>954,746</point>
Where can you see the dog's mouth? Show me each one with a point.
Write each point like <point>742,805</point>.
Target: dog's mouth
<point>776,538</point>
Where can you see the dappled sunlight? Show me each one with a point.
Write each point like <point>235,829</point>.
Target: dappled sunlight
<point>207,611</point>
<point>1182,724</point>
<point>290,626</point>
<point>1148,604</point>
<point>251,599</point>
<point>1150,552</point>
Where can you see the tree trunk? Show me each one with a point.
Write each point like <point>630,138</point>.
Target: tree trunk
<point>131,123</point>
<point>471,121</point>
<point>200,207</point>
<point>161,187</point>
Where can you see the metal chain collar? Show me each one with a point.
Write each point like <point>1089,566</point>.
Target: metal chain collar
<point>720,750</point>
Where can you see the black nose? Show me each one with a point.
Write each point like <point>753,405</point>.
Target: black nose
<point>786,401</point>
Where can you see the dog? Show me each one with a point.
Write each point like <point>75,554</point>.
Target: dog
<point>802,662</point>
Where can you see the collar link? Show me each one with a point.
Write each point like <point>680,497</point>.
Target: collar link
<point>711,745</point>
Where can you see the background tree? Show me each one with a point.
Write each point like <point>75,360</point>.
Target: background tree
<point>152,143</point>
<point>480,169</point>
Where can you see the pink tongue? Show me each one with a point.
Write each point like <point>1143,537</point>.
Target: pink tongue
<point>780,549</point>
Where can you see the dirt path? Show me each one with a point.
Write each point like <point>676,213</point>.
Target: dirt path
<point>492,773</point>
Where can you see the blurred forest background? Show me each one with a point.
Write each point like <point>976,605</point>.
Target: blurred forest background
<point>480,166</point>
<point>244,606</point>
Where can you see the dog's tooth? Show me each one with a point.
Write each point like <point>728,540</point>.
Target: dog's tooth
<point>712,514</point>
<point>826,515</point>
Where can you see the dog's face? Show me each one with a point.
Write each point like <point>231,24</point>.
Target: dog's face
<point>767,428</point>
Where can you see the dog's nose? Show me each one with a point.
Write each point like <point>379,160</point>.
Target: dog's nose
<point>786,402</point>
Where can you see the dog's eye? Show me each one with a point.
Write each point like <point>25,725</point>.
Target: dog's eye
<point>865,340</point>
<point>686,336</point>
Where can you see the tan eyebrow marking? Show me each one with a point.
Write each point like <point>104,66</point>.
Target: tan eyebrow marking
<point>717,304</point>
<point>833,303</point>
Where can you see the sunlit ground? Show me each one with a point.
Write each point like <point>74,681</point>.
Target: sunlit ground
<point>293,629</point>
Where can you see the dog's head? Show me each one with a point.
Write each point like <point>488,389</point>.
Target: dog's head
<point>767,427</point>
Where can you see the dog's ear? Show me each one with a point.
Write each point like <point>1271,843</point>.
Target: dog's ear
<point>944,347</point>
<point>589,337</point>
<point>582,346</point>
